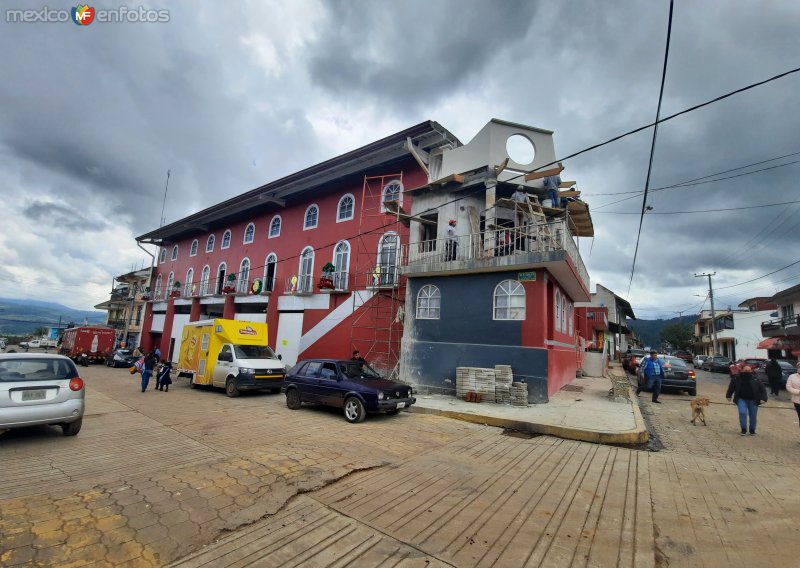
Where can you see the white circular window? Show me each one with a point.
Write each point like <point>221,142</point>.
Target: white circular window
<point>520,149</point>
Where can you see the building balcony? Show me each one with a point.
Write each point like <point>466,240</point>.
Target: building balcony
<point>541,245</point>
<point>788,325</point>
<point>598,319</point>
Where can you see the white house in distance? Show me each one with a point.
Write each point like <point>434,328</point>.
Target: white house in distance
<point>738,331</point>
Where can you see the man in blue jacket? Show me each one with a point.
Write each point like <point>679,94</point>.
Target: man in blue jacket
<point>653,371</point>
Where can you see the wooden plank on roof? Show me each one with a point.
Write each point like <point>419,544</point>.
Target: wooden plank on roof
<point>570,193</point>
<point>452,178</point>
<point>567,183</point>
<point>544,173</point>
<point>501,167</point>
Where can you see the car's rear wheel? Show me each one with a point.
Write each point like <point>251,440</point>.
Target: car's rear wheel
<point>293,401</point>
<point>692,392</point>
<point>72,428</point>
<point>354,410</point>
<point>231,389</point>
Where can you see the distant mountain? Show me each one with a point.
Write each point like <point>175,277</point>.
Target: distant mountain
<point>649,331</point>
<point>22,317</point>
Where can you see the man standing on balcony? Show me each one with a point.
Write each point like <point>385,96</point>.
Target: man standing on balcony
<point>452,243</point>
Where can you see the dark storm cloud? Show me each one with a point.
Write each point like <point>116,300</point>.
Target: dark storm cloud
<point>62,217</point>
<point>416,50</point>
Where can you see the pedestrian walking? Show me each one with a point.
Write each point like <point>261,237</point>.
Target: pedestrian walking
<point>163,380</point>
<point>774,376</point>
<point>747,392</point>
<point>150,361</point>
<point>653,371</point>
<point>793,388</point>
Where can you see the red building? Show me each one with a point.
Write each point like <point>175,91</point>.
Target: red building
<point>336,257</point>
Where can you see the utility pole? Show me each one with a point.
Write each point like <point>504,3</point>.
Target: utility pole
<point>713,315</point>
<point>163,205</point>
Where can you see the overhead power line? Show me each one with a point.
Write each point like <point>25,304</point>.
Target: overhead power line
<point>699,210</point>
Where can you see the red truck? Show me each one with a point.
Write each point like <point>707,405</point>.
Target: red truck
<point>96,342</point>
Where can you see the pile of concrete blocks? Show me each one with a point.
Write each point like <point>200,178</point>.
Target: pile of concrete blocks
<point>503,377</point>
<point>519,394</point>
<point>475,379</point>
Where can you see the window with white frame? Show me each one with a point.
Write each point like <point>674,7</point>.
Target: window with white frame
<point>175,252</point>
<point>170,280</point>
<point>306,270</point>
<point>311,218</point>
<point>159,292</point>
<point>163,256</point>
<point>205,276</point>
<point>187,286</point>
<point>249,233</point>
<point>226,239</point>
<point>341,260</point>
<point>346,209</point>
<point>509,301</point>
<point>275,227</point>
<point>243,281</point>
<point>392,191</point>
<point>571,319</point>
<point>210,243</point>
<point>270,271</point>
<point>221,282</point>
<point>563,313</point>
<point>385,273</point>
<point>558,310</point>
<point>429,300</point>
<point>193,249</point>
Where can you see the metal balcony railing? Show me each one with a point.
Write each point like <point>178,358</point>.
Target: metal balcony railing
<point>523,240</point>
<point>780,323</point>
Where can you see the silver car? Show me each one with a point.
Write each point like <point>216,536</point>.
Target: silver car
<point>40,389</point>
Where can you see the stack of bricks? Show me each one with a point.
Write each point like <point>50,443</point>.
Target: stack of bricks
<point>519,394</point>
<point>475,379</point>
<point>503,377</point>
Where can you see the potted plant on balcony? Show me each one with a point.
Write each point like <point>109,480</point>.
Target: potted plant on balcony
<point>176,290</point>
<point>326,281</point>
<point>230,287</point>
<point>146,293</point>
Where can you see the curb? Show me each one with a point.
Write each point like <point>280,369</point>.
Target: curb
<point>636,436</point>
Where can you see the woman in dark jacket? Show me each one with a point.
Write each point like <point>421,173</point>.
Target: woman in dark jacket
<point>747,392</point>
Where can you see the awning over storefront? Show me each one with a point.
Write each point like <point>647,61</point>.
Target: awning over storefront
<point>779,343</point>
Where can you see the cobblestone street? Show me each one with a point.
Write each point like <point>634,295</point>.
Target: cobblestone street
<point>194,478</point>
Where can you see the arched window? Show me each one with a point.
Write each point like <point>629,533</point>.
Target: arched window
<point>509,301</point>
<point>187,286</point>
<point>222,272</point>
<point>193,249</point>
<point>275,227</point>
<point>311,218</point>
<point>162,258</point>
<point>243,280</point>
<point>563,313</point>
<point>249,233</point>
<point>558,310</point>
<point>429,300</point>
<point>270,270</point>
<point>346,209</point>
<point>385,273</point>
<point>571,319</point>
<point>170,280</point>
<point>226,239</point>
<point>210,243</point>
<point>175,252</point>
<point>158,292</point>
<point>204,278</point>
<point>392,191</point>
<point>306,270</point>
<point>341,260</point>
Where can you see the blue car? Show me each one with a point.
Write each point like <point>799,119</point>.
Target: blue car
<point>351,385</point>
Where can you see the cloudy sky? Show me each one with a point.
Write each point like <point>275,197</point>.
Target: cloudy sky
<point>231,96</point>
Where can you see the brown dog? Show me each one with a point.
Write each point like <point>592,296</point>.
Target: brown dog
<point>697,409</point>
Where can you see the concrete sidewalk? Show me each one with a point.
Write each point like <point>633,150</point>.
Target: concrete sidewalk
<point>581,411</point>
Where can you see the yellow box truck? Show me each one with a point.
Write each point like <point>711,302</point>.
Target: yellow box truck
<point>230,354</point>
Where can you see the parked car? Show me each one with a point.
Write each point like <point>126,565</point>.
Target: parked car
<point>33,343</point>
<point>677,375</point>
<point>717,364</point>
<point>351,385</point>
<point>698,360</point>
<point>787,368</point>
<point>685,355</point>
<point>737,366</point>
<point>632,358</point>
<point>40,389</point>
<point>122,358</point>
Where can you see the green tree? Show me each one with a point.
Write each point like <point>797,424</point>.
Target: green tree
<point>40,331</point>
<point>678,335</point>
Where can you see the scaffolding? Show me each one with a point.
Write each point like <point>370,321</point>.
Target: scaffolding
<point>379,290</point>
